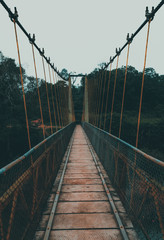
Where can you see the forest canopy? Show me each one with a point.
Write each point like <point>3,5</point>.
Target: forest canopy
<point>13,134</point>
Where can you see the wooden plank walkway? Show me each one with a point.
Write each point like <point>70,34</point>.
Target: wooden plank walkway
<point>84,211</point>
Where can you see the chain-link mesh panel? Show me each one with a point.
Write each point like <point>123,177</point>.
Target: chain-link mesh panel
<point>24,185</point>
<point>138,178</point>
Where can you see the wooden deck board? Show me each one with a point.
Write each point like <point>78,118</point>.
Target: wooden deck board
<point>83,211</point>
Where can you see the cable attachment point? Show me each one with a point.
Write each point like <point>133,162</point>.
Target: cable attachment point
<point>31,39</point>
<point>152,13</point>
<point>111,59</point>
<point>129,39</point>
<point>42,52</point>
<point>48,60</point>
<point>16,13</point>
<point>118,51</point>
<point>149,15</point>
<point>14,16</point>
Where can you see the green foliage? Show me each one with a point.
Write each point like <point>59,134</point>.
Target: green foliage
<point>64,73</point>
<point>152,116</point>
<point>13,132</point>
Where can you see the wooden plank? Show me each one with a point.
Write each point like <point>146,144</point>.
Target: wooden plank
<point>83,196</point>
<point>84,207</point>
<point>84,221</point>
<point>83,211</point>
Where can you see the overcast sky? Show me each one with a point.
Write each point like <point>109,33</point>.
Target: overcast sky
<point>80,34</point>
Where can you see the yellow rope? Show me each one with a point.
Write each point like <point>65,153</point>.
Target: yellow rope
<point>123,97</point>
<point>106,107</point>
<point>40,104</point>
<point>48,101</point>
<point>114,89</point>
<point>21,75</point>
<point>143,77</point>
<point>53,74</point>
<point>52,97</point>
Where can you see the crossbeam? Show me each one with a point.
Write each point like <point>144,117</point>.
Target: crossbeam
<point>77,75</point>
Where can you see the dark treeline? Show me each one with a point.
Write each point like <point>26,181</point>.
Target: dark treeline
<point>13,132</point>
<point>152,116</point>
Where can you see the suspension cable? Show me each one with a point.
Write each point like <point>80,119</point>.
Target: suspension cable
<point>101,97</point>
<point>139,114</point>
<point>143,77</point>
<point>98,98</point>
<point>15,16</point>
<point>52,97</point>
<point>66,100</point>
<point>95,106</point>
<point>83,115</point>
<point>151,15</point>
<point>99,104</point>
<point>114,89</point>
<point>73,113</point>
<point>106,107</point>
<point>123,97</point>
<point>40,104</point>
<point>62,103</point>
<point>48,101</point>
<point>90,106</point>
<point>21,75</point>
<point>59,100</point>
<point>67,95</point>
<point>101,114</point>
<point>56,100</point>
<point>116,159</point>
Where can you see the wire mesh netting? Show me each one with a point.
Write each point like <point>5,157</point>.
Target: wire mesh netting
<point>25,183</point>
<point>138,178</point>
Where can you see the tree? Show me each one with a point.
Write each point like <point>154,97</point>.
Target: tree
<point>10,88</point>
<point>64,73</point>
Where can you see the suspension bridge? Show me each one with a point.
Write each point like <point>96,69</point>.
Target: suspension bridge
<point>82,182</point>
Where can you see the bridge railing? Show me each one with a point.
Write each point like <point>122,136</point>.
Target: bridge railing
<point>24,185</point>
<point>138,178</point>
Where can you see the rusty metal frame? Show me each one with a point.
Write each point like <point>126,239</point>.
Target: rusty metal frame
<point>14,192</point>
<point>152,183</point>
<point>110,198</point>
